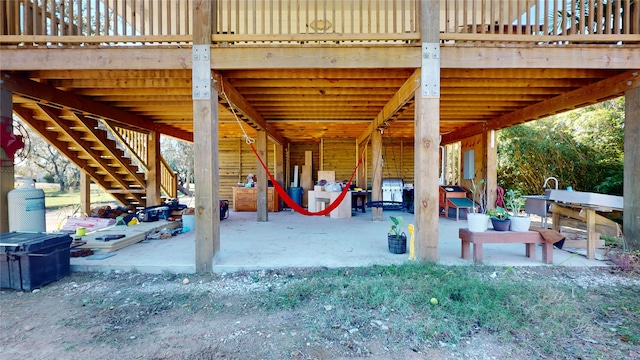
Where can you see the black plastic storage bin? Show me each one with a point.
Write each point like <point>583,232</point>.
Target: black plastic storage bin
<point>30,260</point>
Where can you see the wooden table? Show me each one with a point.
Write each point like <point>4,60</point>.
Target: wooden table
<point>359,200</point>
<point>529,238</point>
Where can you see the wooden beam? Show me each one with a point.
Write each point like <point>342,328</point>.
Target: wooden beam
<point>584,96</point>
<point>206,163</point>
<point>85,193</point>
<point>376,174</point>
<point>153,196</point>
<point>631,190</point>
<point>488,56</point>
<point>6,162</point>
<point>243,108</point>
<point>399,99</point>
<point>478,56</point>
<point>426,142</point>
<point>47,94</point>
<point>261,147</point>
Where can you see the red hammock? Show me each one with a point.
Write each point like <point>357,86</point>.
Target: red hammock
<point>289,201</point>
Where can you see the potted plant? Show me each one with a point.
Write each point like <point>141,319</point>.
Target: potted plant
<point>477,219</point>
<point>515,202</point>
<point>499,218</point>
<point>396,238</point>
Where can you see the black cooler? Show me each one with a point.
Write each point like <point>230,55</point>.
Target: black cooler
<point>29,260</point>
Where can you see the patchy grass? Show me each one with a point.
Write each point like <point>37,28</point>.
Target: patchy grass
<point>549,317</point>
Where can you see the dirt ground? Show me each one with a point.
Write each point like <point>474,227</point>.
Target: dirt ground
<point>121,315</point>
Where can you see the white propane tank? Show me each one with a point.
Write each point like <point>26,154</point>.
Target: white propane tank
<point>26,208</point>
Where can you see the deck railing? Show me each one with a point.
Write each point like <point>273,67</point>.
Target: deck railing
<point>148,22</point>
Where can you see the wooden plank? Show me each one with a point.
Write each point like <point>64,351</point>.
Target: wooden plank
<point>261,147</point>
<point>7,174</point>
<point>580,97</point>
<point>133,234</point>
<point>153,195</point>
<point>376,176</point>
<point>631,190</point>
<point>427,141</point>
<point>205,147</point>
<point>479,56</point>
<point>50,94</point>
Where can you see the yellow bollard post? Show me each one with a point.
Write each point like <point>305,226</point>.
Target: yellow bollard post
<point>411,244</point>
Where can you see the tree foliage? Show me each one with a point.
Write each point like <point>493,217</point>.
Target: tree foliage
<point>179,155</point>
<point>583,148</point>
<point>49,162</point>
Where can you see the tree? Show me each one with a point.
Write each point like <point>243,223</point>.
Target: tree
<point>179,155</point>
<point>46,158</point>
<point>583,148</point>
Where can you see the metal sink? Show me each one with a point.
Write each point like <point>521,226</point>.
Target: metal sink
<point>587,198</point>
<point>538,205</point>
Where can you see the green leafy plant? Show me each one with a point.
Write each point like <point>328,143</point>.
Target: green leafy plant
<point>498,213</point>
<point>396,228</point>
<point>514,201</point>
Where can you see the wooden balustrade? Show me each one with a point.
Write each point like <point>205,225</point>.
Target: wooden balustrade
<point>136,144</point>
<point>168,180</point>
<point>143,22</point>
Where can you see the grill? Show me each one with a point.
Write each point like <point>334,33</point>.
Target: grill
<point>392,193</point>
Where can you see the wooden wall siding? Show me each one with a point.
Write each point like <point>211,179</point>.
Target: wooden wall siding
<point>230,165</point>
<point>339,156</point>
<point>237,160</point>
<point>297,158</point>
<point>398,158</point>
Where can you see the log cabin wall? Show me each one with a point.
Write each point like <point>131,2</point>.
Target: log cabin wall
<point>237,160</point>
<point>339,155</point>
<point>297,158</point>
<point>398,156</point>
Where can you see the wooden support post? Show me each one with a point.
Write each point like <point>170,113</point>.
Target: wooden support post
<point>205,130</point>
<point>631,190</point>
<point>427,137</point>
<point>376,177</point>
<point>306,178</point>
<point>491,163</point>
<point>592,235</point>
<point>6,164</point>
<point>279,167</point>
<point>85,193</point>
<point>153,175</point>
<point>261,147</point>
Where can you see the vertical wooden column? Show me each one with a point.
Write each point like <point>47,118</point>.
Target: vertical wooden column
<point>6,164</point>
<point>205,141</point>
<point>490,147</point>
<point>376,177</point>
<point>427,137</point>
<point>261,147</point>
<point>279,166</point>
<point>153,175</point>
<point>85,193</point>
<point>631,190</point>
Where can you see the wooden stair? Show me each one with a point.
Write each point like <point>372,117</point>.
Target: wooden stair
<point>84,142</point>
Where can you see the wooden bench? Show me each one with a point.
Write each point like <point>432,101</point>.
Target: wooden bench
<point>529,238</point>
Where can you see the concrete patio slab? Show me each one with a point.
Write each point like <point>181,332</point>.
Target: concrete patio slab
<point>291,240</point>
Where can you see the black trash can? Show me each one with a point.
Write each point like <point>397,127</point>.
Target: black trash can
<point>31,260</point>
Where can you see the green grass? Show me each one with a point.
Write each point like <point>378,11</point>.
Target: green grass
<point>55,199</point>
<point>539,313</point>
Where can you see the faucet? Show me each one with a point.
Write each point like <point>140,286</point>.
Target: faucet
<point>550,178</point>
